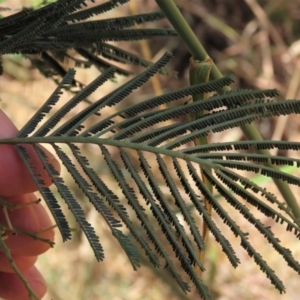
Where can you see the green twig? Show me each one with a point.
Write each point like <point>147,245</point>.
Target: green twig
<point>198,52</point>
<point>199,73</point>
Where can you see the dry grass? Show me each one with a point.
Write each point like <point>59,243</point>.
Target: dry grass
<point>263,53</point>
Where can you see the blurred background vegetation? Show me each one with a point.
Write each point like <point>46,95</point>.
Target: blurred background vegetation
<point>259,42</point>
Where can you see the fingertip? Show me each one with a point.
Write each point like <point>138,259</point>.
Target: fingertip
<point>32,218</point>
<point>8,129</point>
<point>12,288</point>
<point>23,263</point>
<point>15,179</point>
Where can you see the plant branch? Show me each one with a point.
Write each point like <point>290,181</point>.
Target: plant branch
<point>32,295</point>
<point>198,52</point>
<point>199,73</point>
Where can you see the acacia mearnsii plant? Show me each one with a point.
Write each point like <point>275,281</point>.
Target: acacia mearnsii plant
<point>170,177</point>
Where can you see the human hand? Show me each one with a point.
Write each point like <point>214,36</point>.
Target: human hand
<point>17,187</point>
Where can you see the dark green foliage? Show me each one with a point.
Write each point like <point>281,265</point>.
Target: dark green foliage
<point>73,132</point>
<point>51,32</point>
<point>160,140</point>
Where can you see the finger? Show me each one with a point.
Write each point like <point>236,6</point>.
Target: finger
<point>33,218</point>
<point>12,288</point>
<point>23,263</point>
<point>14,177</point>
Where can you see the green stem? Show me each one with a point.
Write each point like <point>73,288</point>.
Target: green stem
<point>200,73</point>
<point>198,52</point>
